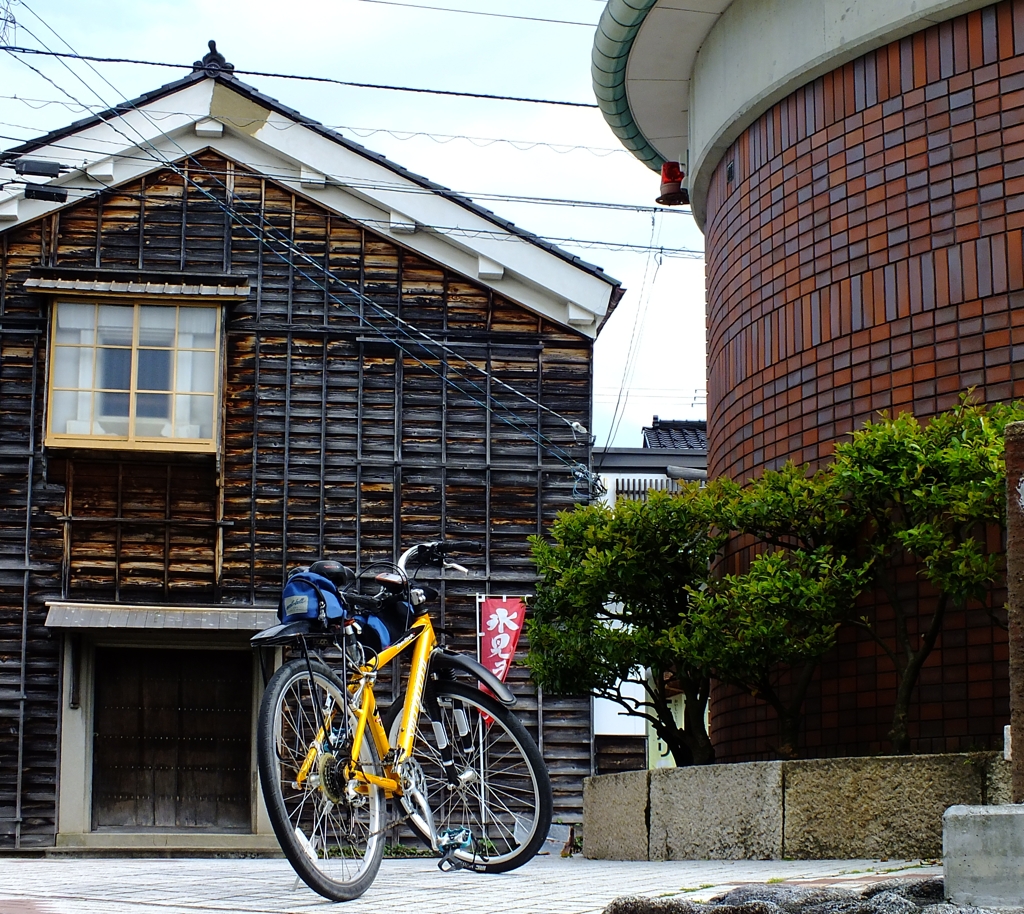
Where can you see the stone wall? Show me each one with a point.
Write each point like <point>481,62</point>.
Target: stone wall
<point>810,810</point>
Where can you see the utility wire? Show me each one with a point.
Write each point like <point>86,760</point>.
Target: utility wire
<point>362,132</point>
<point>357,183</point>
<point>380,225</point>
<point>580,472</point>
<point>14,49</point>
<point>623,397</point>
<point>502,235</point>
<point>447,9</point>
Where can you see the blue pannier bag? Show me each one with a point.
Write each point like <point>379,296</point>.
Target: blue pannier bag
<point>303,594</point>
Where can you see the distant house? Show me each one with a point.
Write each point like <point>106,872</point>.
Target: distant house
<point>232,341</point>
<point>673,450</point>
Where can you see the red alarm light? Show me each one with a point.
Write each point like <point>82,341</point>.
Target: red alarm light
<point>672,191</point>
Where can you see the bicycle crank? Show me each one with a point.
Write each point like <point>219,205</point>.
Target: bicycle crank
<point>414,798</point>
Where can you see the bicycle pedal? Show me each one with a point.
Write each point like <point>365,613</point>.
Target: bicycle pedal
<point>453,839</point>
<point>449,862</point>
<point>449,842</point>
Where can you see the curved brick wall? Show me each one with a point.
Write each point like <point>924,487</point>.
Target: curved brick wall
<point>864,244</point>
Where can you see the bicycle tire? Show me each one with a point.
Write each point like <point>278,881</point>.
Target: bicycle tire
<point>507,809</point>
<point>331,832</point>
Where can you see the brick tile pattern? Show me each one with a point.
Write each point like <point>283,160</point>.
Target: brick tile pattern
<point>865,253</point>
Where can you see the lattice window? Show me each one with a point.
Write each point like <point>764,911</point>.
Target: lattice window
<point>134,375</point>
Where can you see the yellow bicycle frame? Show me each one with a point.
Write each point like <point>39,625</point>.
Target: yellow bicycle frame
<point>422,636</point>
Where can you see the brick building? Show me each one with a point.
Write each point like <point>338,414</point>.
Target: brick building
<point>858,172</point>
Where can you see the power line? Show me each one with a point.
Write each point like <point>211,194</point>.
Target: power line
<point>635,334</point>
<point>461,232</point>
<point>520,145</point>
<point>14,49</point>
<point>348,181</point>
<point>447,9</point>
<point>482,141</point>
<point>7,21</point>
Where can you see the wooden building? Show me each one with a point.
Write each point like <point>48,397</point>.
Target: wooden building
<point>232,341</point>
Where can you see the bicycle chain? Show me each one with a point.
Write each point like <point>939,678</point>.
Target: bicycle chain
<point>398,820</point>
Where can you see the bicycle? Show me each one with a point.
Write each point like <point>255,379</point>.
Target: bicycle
<point>468,778</point>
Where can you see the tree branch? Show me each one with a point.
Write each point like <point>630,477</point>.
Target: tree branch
<point>860,623</point>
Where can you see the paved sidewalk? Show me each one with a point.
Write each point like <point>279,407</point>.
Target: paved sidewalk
<point>547,885</point>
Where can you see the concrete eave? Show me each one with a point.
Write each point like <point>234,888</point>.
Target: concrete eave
<point>644,53</point>
<point>682,79</point>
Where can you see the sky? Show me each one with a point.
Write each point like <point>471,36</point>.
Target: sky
<point>649,359</point>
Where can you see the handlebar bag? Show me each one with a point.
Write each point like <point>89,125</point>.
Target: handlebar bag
<point>374,633</point>
<point>303,594</point>
<point>384,628</point>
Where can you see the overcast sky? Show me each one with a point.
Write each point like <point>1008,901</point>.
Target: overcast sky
<point>662,313</point>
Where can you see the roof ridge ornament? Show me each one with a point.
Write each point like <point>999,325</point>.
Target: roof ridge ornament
<point>214,62</point>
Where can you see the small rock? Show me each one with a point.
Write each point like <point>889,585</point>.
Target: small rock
<point>931,890</point>
<point>809,901</point>
<point>641,904</point>
<point>889,902</point>
<point>779,894</point>
<point>851,904</point>
<point>947,908</point>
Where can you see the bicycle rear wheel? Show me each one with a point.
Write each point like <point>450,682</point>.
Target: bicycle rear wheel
<point>499,787</point>
<point>331,829</point>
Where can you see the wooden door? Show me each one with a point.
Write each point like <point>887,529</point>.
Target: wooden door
<point>172,739</point>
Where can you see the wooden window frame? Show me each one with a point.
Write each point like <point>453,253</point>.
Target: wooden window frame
<point>133,441</point>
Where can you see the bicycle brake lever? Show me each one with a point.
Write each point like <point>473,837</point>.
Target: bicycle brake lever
<point>455,566</point>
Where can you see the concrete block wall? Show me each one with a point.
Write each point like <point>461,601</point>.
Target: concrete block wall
<point>618,805</point>
<point>815,809</point>
<point>747,827</point>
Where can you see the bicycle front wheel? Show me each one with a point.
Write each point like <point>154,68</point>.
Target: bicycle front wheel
<point>331,828</point>
<point>496,786</point>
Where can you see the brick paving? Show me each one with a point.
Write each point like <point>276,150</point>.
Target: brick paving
<point>547,885</point>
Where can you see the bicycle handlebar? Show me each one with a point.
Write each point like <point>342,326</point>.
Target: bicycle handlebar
<point>358,599</point>
<point>436,549</point>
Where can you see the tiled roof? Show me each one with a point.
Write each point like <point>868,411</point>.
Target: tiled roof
<point>677,433</point>
<point>200,285</point>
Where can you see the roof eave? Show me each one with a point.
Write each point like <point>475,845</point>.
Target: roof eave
<point>616,31</point>
<point>600,303</point>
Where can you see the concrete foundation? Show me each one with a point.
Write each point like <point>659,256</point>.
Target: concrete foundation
<point>853,808</point>
<point>840,809</point>
<point>749,827</point>
<point>983,855</point>
<point>615,808</point>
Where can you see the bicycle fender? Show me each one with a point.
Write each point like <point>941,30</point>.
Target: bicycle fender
<point>283,633</point>
<point>448,660</point>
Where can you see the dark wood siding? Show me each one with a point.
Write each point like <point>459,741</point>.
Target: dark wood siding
<point>30,557</point>
<point>345,432</point>
<point>140,530</point>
